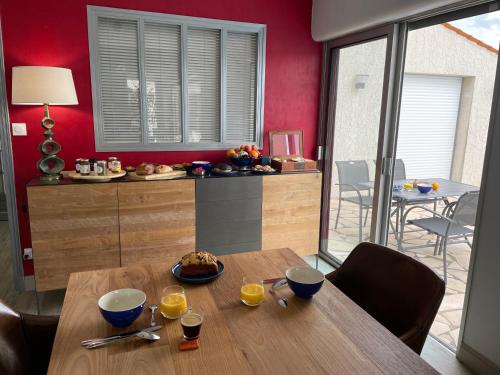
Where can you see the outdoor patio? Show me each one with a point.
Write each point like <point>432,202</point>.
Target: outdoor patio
<point>447,322</point>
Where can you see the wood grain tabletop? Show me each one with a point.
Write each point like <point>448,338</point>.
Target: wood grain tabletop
<point>327,334</point>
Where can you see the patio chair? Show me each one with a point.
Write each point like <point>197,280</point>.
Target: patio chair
<point>449,226</point>
<point>401,293</point>
<point>351,174</point>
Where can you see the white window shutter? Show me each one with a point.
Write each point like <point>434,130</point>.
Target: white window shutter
<point>118,66</point>
<point>203,75</point>
<point>162,63</point>
<point>241,85</point>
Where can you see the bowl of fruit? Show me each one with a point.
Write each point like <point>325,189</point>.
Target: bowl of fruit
<point>243,156</point>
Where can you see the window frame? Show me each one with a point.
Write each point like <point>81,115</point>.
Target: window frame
<point>94,12</point>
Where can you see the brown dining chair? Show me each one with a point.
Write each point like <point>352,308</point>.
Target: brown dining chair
<point>25,342</point>
<point>403,294</point>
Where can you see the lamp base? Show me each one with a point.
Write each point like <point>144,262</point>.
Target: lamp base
<point>51,177</point>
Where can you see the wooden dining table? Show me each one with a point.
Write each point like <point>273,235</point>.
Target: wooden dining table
<point>327,334</point>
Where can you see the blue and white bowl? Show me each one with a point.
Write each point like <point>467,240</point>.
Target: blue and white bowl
<point>424,187</point>
<point>121,307</point>
<point>304,281</point>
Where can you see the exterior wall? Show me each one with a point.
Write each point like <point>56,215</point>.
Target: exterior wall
<point>357,116</point>
<point>433,50</point>
<point>438,50</point>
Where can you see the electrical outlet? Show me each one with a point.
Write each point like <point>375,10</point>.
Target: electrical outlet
<point>28,253</point>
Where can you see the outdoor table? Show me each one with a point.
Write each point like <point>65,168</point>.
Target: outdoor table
<point>404,197</point>
<point>327,334</point>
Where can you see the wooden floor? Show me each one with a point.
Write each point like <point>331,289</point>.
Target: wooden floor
<point>50,302</point>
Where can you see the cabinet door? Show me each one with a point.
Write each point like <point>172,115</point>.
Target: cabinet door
<point>73,228</point>
<point>157,219</point>
<point>291,212</point>
<point>229,214</point>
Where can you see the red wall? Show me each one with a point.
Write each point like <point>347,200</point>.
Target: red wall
<point>54,33</point>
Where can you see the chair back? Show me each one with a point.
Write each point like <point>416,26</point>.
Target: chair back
<point>13,348</point>
<point>399,170</point>
<point>466,208</point>
<point>352,172</point>
<point>401,293</point>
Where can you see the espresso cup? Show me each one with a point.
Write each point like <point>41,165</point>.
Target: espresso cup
<point>191,324</point>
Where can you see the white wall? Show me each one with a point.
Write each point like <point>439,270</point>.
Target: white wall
<point>334,18</point>
<point>482,312</point>
<point>433,50</point>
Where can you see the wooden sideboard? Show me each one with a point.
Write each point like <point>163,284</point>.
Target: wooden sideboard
<point>80,227</point>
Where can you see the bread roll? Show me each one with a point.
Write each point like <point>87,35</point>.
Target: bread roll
<point>144,169</point>
<point>163,168</point>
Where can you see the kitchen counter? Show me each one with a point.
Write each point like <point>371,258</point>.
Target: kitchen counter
<point>68,181</point>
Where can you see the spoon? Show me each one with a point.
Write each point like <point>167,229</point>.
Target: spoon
<point>282,301</point>
<point>153,309</point>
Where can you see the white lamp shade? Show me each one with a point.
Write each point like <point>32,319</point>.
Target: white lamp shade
<point>43,85</point>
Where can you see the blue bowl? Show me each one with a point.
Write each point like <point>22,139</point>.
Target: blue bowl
<point>424,188</point>
<point>242,162</point>
<point>122,307</point>
<point>304,281</point>
<point>206,165</point>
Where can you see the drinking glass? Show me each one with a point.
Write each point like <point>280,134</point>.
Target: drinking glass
<point>252,291</point>
<point>191,324</point>
<point>173,302</point>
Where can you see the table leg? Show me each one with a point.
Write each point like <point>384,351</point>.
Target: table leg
<point>402,205</point>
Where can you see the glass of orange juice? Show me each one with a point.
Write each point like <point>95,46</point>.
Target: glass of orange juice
<point>252,292</point>
<point>173,302</point>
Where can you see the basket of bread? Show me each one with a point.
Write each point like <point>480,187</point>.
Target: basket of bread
<point>150,171</point>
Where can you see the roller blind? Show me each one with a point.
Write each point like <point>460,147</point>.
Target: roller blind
<point>241,65</point>
<point>119,81</point>
<point>203,62</point>
<point>167,82</point>
<point>428,123</point>
<point>162,62</point>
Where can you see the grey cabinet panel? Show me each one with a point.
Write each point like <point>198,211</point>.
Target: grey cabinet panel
<point>229,214</point>
<point>228,188</point>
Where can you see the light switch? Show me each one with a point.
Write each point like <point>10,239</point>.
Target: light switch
<point>19,128</point>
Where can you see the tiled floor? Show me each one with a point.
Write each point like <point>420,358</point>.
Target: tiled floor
<point>447,322</point>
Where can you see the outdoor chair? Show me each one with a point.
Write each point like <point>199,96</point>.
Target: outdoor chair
<point>351,173</point>
<point>401,293</point>
<point>454,223</point>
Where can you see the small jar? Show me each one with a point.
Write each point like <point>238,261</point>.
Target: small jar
<point>84,167</point>
<point>114,165</point>
<point>77,165</point>
<point>111,159</point>
<point>100,168</point>
<point>92,162</point>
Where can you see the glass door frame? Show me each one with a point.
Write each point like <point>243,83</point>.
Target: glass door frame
<point>393,73</point>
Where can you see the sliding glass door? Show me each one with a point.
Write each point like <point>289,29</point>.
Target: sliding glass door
<point>355,128</point>
<point>405,122</point>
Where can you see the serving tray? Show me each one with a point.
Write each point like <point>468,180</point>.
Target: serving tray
<point>95,178</point>
<point>157,176</point>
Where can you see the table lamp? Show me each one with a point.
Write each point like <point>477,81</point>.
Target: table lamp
<point>45,85</point>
